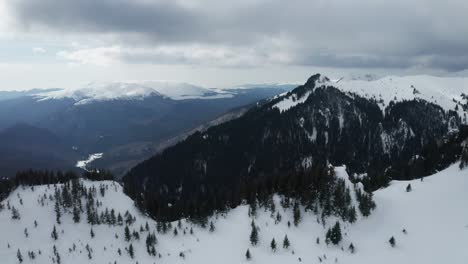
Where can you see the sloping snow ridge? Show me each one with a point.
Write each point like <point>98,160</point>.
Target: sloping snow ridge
<point>443,91</point>
<point>434,216</point>
<point>132,90</point>
<point>446,92</point>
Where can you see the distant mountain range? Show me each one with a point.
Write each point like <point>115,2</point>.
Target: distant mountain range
<point>127,122</point>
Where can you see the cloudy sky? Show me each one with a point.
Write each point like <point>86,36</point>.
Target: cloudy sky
<point>67,43</point>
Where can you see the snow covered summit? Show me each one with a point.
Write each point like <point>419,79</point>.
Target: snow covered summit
<point>450,93</point>
<point>104,91</point>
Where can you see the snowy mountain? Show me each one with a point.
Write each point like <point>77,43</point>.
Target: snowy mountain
<point>424,229</point>
<point>291,139</point>
<point>133,90</point>
<point>448,92</point>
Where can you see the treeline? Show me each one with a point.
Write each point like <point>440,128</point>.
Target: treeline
<point>41,177</point>
<point>435,156</point>
<point>316,189</point>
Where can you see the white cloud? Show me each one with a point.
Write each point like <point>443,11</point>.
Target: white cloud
<point>102,56</point>
<point>192,54</point>
<point>39,50</point>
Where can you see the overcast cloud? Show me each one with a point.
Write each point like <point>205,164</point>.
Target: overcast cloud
<point>397,34</point>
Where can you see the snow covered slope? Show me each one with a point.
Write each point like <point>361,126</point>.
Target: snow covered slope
<point>443,91</point>
<point>447,92</point>
<point>434,216</point>
<point>133,90</point>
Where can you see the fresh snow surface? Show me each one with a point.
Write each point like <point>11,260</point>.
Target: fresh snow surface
<point>132,90</point>
<point>434,215</point>
<point>291,101</point>
<point>92,157</point>
<point>439,90</point>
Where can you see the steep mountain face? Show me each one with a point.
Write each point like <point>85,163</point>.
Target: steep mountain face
<point>127,122</point>
<point>301,132</point>
<point>25,147</point>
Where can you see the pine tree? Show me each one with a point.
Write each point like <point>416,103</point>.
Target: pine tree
<point>54,234</point>
<point>297,214</point>
<point>20,256</point>
<point>57,256</point>
<point>130,251</point>
<point>286,243</point>
<point>351,248</point>
<point>212,227</point>
<point>119,219</point>
<point>57,211</point>
<point>392,241</point>
<point>273,245</point>
<point>247,255</point>
<point>76,214</point>
<point>92,233</point>
<point>15,213</point>
<point>127,233</point>
<point>408,188</point>
<point>175,231</point>
<point>254,234</point>
<point>464,157</point>
<point>334,234</point>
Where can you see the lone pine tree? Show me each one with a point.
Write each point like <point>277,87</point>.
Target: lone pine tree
<point>131,251</point>
<point>408,188</point>
<point>19,256</point>
<point>297,214</point>
<point>286,243</point>
<point>254,234</point>
<point>247,255</point>
<point>334,234</point>
<point>54,234</point>
<point>273,245</point>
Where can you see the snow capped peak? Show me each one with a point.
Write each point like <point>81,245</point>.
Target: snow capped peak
<point>106,91</point>
<point>443,91</point>
<point>450,93</point>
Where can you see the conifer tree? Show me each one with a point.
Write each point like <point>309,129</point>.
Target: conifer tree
<point>286,242</point>
<point>15,213</point>
<point>57,211</point>
<point>130,251</point>
<point>334,234</point>
<point>408,188</point>
<point>20,256</point>
<point>247,255</point>
<point>297,214</point>
<point>254,234</point>
<point>273,245</point>
<point>54,234</point>
<point>212,227</point>
<point>351,248</point>
<point>392,241</point>
<point>92,233</point>
<point>76,214</point>
<point>127,233</point>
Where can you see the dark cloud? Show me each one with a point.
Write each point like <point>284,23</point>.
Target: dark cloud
<point>331,33</point>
